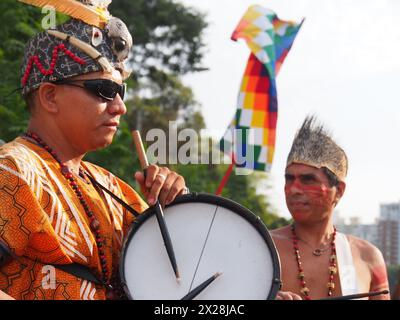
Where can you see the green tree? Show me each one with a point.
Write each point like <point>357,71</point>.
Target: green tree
<point>18,24</point>
<point>394,280</point>
<point>167,35</point>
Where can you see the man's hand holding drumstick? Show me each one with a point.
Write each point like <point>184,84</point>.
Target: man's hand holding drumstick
<point>161,183</point>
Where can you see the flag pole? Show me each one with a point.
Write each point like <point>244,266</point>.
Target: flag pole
<point>225,178</point>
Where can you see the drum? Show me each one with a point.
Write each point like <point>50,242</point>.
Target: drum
<point>210,234</point>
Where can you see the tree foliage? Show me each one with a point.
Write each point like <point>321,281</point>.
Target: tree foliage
<point>167,35</point>
<point>394,280</point>
<point>18,24</point>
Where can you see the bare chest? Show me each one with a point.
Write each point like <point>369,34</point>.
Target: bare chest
<point>315,270</point>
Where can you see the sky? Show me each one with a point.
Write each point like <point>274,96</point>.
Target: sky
<point>344,67</point>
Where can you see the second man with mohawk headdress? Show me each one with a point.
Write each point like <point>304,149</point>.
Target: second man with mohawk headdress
<point>317,260</point>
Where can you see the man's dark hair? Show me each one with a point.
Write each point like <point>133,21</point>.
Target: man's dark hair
<point>30,101</point>
<point>332,178</point>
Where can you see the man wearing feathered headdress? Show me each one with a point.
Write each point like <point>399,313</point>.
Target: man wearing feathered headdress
<point>318,261</point>
<point>59,217</point>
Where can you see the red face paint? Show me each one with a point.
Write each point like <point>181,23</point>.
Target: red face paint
<point>307,192</point>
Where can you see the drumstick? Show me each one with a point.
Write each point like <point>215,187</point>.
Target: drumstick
<point>157,206</point>
<point>358,295</point>
<point>196,291</point>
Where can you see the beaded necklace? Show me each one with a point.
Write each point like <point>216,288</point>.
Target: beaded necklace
<point>94,223</point>
<point>332,266</point>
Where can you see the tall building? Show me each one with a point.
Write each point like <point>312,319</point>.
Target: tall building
<point>389,232</point>
<point>369,232</point>
<point>385,233</point>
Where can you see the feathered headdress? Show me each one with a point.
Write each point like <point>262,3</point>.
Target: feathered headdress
<point>313,146</point>
<point>93,40</point>
<point>93,12</point>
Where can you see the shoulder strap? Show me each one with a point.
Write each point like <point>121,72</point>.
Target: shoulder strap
<point>115,197</point>
<point>80,271</point>
<point>347,272</point>
<point>76,269</point>
<point>5,254</point>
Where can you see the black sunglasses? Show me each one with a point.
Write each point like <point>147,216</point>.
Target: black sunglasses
<point>103,88</point>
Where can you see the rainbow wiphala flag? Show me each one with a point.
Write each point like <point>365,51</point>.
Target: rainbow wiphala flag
<point>269,40</point>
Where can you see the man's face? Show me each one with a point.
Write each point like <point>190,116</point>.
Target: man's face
<point>309,197</point>
<point>89,122</point>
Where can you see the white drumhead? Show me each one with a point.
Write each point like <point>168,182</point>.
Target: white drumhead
<point>206,238</point>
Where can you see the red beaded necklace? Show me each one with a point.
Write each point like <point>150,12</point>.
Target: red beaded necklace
<point>332,266</point>
<point>94,223</point>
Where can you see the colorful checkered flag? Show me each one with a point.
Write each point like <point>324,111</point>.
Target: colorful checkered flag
<point>269,40</point>
<point>250,138</point>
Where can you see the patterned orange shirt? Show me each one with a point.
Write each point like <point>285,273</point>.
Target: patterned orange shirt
<point>43,222</point>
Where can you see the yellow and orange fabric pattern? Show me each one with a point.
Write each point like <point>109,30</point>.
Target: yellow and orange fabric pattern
<point>44,224</point>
